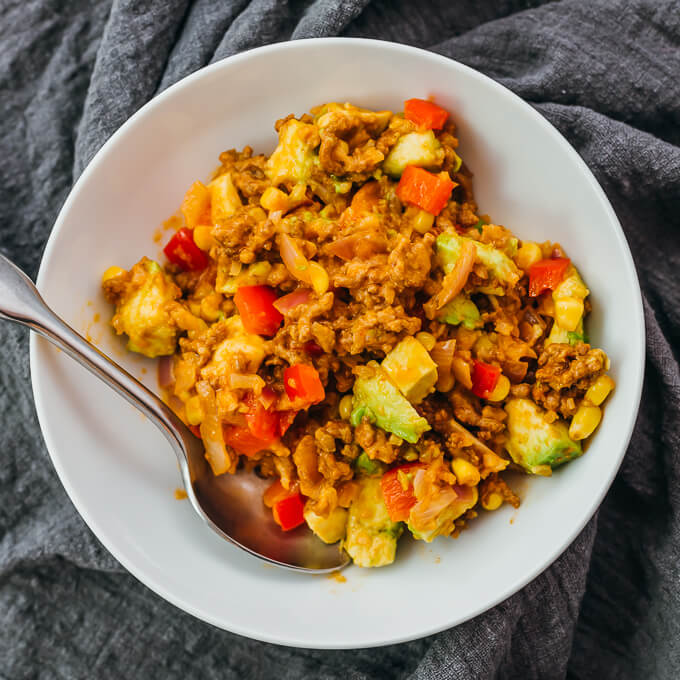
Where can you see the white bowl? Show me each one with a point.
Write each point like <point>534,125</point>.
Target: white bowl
<point>119,471</point>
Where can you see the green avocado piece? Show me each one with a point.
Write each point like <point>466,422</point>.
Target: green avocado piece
<point>142,314</point>
<point>371,539</point>
<point>293,158</point>
<point>533,443</point>
<point>410,367</point>
<point>377,398</point>
<point>414,148</point>
<point>364,465</point>
<point>499,265</point>
<point>461,310</point>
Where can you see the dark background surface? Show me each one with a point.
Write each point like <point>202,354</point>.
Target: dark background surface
<point>606,74</point>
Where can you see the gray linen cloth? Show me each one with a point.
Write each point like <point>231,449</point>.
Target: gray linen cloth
<point>606,73</point>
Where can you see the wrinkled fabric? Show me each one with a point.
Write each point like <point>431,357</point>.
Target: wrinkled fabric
<point>605,73</point>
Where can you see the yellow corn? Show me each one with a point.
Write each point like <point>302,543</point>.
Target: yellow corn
<point>427,340</point>
<point>584,422</point>
<point>345,407</point>
<point>319,278</point>
<point>466,473</point>
<point>194,411</point>
<point>423,221</point>
<point>203,237</point>
<point>210,307</point>
<point>501,390</point>
<point>274,199</point>
<point>445,382</point>
<point>493,501</point>
<point>568,312</point>
<point>461,370</point>
<point>599,390</point>
<point>112,273</point>
<point>410,455</point>
<point>528,254</point>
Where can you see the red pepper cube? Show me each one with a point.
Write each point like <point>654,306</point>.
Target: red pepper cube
<point>302,383</point>
<point>547,274</point>
<point>425,114</point>
<point>399,500</point>
<point>484,378</point>
<point>255,304</point>
<point>182,251</point>
<point>262,422</point>
<point>426,190</point>
<point>242,440</point>
<point>289,512</point>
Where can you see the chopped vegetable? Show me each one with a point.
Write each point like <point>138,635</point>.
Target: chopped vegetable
<point>242,440</point>
<point>289,512</point>
<point>484,379</point>
<point>367,466</point>
<point>263,422</point>
<point>397,490</point>
<point>546,274</point>
<point>411,368</point>
<point>420,149</point>
<point>287,303</point>
<point>182,251</point>
<point>255,304</point>
<point>195,204</point>
<point>424,189</point>
<point>425,114</point>
<point>302,383</point>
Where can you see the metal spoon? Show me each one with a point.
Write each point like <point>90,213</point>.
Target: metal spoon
<point>230,505</point>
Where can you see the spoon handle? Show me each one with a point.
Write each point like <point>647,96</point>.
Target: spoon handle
<point>21,303</point>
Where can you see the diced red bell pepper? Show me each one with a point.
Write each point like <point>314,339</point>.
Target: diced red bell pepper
<point>262,422</point>
<point>425,189</point>
<point>255,304</point>
<point>547,274</point>
<point>302,382</point>
<point>182,251</point>
<point>242,440</point>
<point>399,500</point>
<point>484,378</point>
<point>289,512</point>
<point>425,114</point>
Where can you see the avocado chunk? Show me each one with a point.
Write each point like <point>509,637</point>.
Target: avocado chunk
<point>498,264</point>
<point>371,539</point>
<point>329,529</point>
<point>443,523</point>
<point>293,158</point>
<point>568,298</point>
<point>363,465</point>
<point>378,399</point>
<point>143,309</point>
<point>410,367</point>
<point>414,148</point>
<point>461,311</point>
<point>533,443</point>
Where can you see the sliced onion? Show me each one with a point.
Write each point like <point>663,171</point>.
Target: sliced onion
<point>456,279</point>
<point>442,355</point>
<point>285,303</point>
<point>362,244</point>
<point>166,373</point>
<point>296,263</point>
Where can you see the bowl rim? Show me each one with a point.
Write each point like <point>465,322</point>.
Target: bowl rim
<point>148,109</point>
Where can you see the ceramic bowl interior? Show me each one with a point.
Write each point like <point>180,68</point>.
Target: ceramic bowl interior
<point>117,468</point>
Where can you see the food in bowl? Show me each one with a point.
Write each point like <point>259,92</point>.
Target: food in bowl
<point>340,317</point>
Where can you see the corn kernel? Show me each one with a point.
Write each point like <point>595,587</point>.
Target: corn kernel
<point>319,278</point>
<point>466,473</point>
<point>345,407</point>
<point>194,411</point>
<point>203,237</point>
<point>461,370</point>
<point>427,340</point>
<point>274,199</point>
<point>599,390</point>
<point>410,454</point>
<point>584,422</point>
<point>423,221</point>
<point>112,273</point>
<point>493,501</point>
<point>568,313</point>
<point>445,382</point>
<point>528,254</point>
<point>501,390</point>
<point>210,307</point>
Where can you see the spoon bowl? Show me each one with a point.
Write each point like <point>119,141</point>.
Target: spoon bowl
<point>231,505</point>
